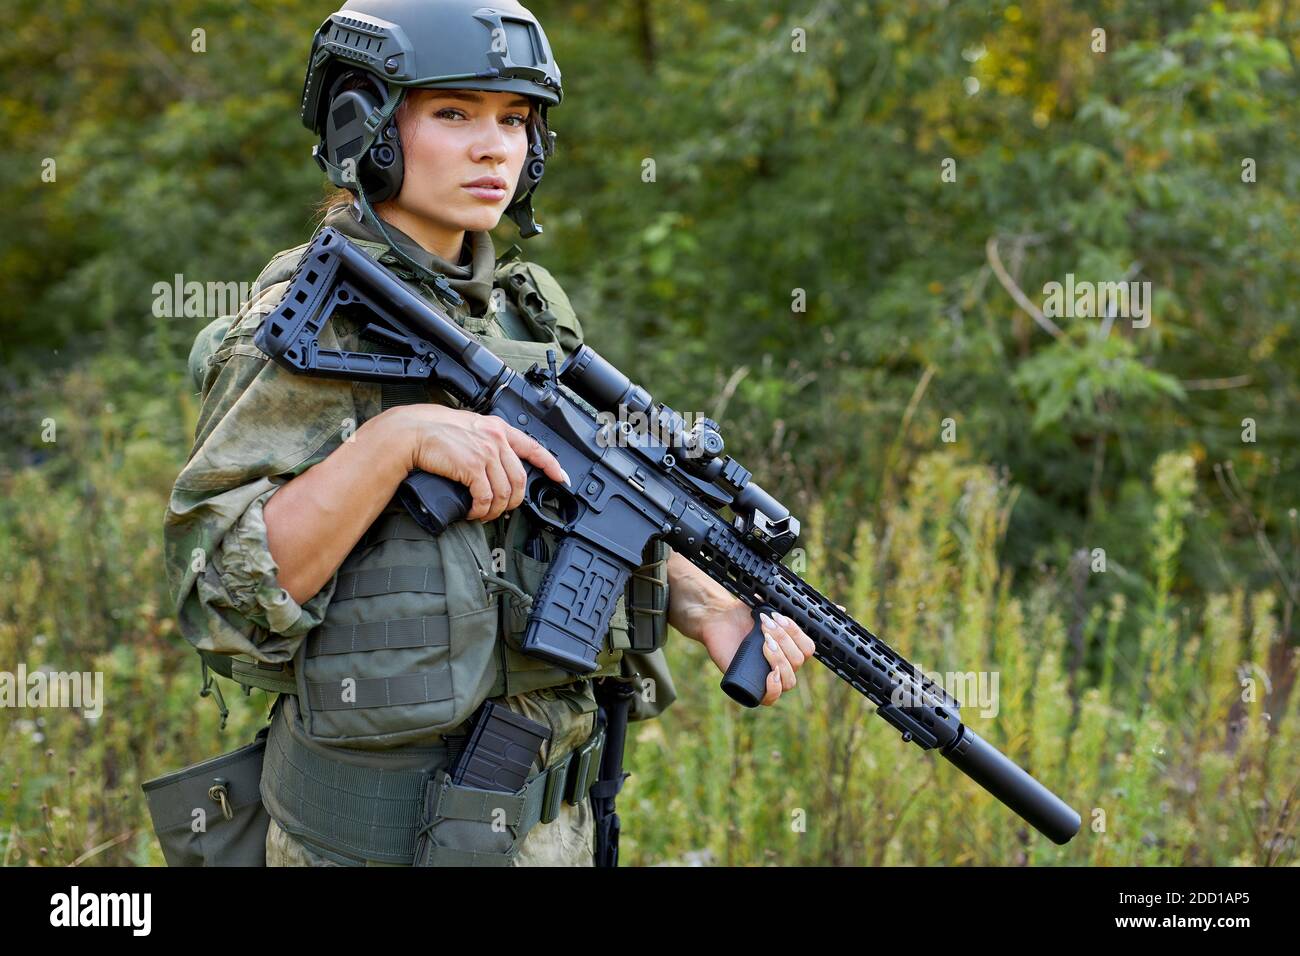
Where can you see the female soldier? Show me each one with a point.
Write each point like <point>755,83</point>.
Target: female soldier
<point>284,545</point>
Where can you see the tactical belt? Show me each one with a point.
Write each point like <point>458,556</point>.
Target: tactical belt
<point>373,813</point>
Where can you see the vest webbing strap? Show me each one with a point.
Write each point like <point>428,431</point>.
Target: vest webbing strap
<point>277,678</point>
<point>394,580</point>
<point>401,527</point>
<point>423,687</point>
<point>449,856</point>
<point>378,635</point>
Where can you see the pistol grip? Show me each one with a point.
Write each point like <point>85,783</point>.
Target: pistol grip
<point>433,501</point>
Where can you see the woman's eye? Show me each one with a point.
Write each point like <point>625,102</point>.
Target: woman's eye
<point>450,112</point>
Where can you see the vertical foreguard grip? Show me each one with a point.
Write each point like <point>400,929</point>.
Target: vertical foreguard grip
<point>572,610</point>
<point>746,679</point>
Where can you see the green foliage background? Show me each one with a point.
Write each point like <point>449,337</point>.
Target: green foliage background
<point>1157,696</point>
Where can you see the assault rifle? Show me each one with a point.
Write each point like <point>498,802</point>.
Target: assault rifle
<point>629,486</point>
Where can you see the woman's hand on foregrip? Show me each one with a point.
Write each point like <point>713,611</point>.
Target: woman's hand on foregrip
<point>482,452</point>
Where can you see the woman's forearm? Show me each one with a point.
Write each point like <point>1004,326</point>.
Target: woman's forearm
<point>313,521</point>
<point>694,598</point>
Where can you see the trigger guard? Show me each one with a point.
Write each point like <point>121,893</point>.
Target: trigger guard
<point>538,485</point>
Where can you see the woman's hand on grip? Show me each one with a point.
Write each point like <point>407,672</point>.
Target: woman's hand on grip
<point>482,452</point>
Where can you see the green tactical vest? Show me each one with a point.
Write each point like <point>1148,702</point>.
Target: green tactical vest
<point>420,630</point>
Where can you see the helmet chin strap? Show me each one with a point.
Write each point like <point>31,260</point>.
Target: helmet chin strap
<point>440,284</point>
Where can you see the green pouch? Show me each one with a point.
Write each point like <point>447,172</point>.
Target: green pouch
<point>211,813</point>
<point>466,826</point>
<point>652,683</point>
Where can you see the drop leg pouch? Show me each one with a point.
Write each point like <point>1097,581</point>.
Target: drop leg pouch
<point>211,813</point>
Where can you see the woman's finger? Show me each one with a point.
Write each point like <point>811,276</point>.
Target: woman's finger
<point>516,475</point>
<point>773,689</point>
<point>775,654</point>
<point>801,640</point>
<point>783,630</point>
<point>496,475</point>
<point>480,490</point>
<point>530,449</point>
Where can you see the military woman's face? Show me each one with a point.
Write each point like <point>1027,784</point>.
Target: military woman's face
<point>451,139</point>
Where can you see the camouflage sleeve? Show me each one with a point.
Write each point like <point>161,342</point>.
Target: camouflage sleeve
<point>205,345</point>
<point>258,427</point>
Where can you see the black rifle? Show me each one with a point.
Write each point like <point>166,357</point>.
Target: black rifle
<point>630,485</point>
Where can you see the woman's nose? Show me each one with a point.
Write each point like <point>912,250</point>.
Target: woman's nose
<point>491,141</point>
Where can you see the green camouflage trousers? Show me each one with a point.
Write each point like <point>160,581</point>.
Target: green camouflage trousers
<point>565,841</point>
<point>568,840</point>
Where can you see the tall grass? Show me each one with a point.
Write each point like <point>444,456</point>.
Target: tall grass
<point>83,590</point>
<point>1177,747</point>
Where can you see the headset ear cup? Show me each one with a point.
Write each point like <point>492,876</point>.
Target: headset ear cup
<point>380,169</point>
<point>345,126</point>
<point>541,143</point>
<point>527,176</point>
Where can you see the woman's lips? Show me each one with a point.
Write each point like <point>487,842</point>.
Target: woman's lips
<point>487,192</point>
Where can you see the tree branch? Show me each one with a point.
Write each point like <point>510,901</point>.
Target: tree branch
<point>1022,300</point>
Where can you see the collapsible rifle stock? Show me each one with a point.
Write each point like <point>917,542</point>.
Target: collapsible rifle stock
<point>629,486</point>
